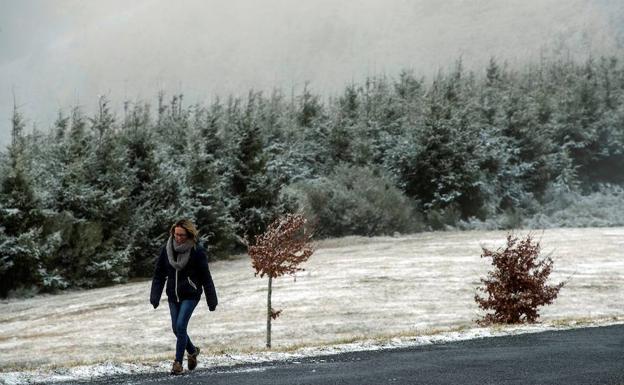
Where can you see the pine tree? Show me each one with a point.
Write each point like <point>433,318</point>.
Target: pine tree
<point>20,218</point>
<point>250,183</point>
<point>143,229</point>
<point>309,108</point>
<point>205,197</point>
<point>444,172</point>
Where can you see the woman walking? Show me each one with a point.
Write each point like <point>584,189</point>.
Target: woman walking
<point>183,265</point>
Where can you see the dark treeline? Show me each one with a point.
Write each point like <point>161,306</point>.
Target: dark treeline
<point>89,202</point>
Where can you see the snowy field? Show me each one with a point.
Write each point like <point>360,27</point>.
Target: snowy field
<point>356,293</point>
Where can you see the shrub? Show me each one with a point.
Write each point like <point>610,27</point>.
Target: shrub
<point>601,208</point>
<point>517,285</point>
<point>20,263</point>
<point>354,201</point>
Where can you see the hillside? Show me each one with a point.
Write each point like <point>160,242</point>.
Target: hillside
<point>353,290</point>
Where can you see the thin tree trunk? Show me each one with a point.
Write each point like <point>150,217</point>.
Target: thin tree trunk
<point>269,312</point>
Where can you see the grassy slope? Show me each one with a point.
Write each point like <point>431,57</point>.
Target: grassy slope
<point>352,288</point>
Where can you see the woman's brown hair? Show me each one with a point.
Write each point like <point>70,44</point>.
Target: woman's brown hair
<point>186,224</point>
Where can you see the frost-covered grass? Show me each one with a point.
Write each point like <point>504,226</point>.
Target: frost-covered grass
<point>355,293</point>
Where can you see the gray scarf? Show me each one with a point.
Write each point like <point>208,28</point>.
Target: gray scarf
<point>183,252</point>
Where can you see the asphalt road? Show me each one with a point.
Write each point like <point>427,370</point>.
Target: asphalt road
<point>580,356</point>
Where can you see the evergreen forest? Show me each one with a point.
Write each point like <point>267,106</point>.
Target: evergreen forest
<point>89,201</point>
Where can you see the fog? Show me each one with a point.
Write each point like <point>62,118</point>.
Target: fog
<point>55,55</point>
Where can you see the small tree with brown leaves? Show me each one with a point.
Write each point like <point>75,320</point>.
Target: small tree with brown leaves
<point>517,285</point>
<point>280,250</point>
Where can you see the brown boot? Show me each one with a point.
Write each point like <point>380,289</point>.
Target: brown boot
<point>192,359</point>
<point>177,368</point>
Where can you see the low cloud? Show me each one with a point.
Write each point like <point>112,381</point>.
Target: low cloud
<point>79,50</point>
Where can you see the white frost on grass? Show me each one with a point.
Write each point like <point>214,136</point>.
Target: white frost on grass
<point>224,361</point>
<point>355,294</point>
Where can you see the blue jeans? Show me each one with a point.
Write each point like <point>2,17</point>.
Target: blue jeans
<point>180,316</point>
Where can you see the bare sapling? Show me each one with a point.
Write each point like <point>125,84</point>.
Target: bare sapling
<point>279,251</point>
<point>517,284</point>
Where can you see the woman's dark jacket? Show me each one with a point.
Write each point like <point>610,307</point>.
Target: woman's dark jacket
<point>186,283</point>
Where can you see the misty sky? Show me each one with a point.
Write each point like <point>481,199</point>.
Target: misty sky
<point>63,53</point>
